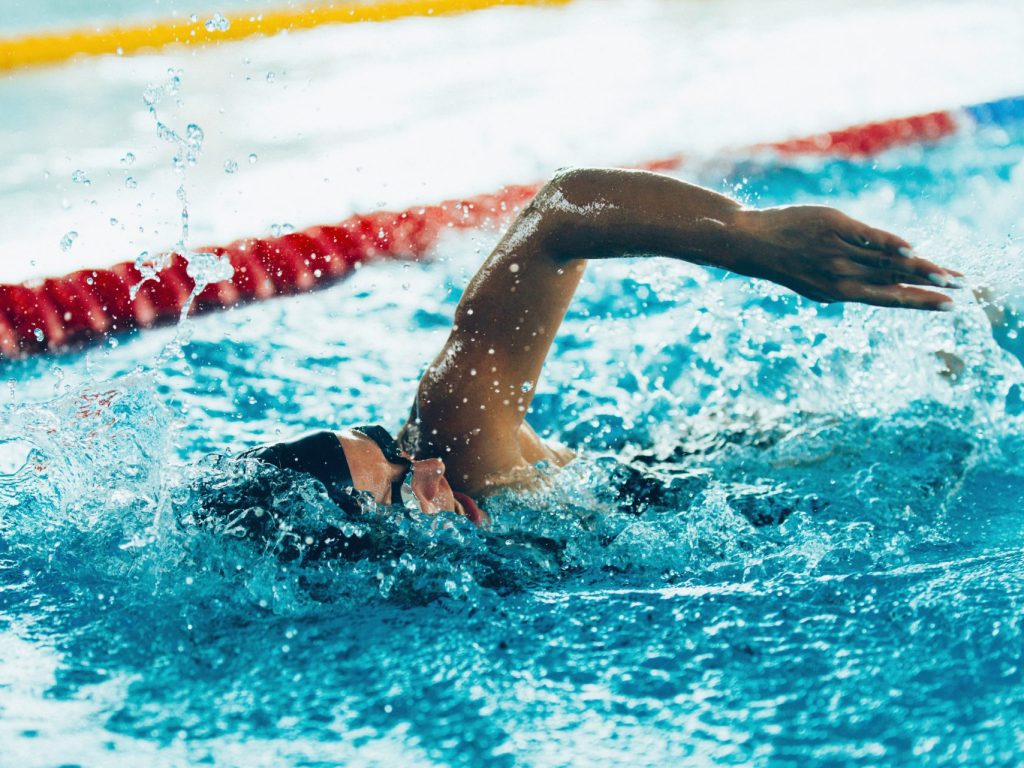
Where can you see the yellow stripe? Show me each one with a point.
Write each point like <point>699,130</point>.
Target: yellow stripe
<point>51,48</point>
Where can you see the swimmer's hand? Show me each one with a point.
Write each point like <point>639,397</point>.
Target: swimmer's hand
<point>827,256</point>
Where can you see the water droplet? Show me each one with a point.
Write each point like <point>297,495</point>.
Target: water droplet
<point>206,268</point>
<point>253,158</point>
<point>68,240</point>
<point>113,221</point>
<point>194,134</point>
<point>271,77</point>
<point>230,166</point>
<point>131,183</point>
<point>38,333</point>
<point>217,24</point>
<point>129,158</point>
<point>527,386</point>
<point>165,132</point>
<point>79,177</point>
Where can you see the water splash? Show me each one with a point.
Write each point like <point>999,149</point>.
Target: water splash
<point>217,23</point>
<point>203,268</point>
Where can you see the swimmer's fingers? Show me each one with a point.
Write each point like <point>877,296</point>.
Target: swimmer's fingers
<point>861,236</point>
<point>901,296</point>
<point>883,268</point>
<point>895,273</point>
<point>884,250</point>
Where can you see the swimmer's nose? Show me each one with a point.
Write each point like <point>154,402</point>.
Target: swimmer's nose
<point>428,485</point>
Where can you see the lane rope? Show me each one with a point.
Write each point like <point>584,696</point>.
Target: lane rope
<point>54,47</point>
<point>66,312</point>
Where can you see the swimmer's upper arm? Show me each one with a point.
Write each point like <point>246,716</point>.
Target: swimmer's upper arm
<point>473,398</point>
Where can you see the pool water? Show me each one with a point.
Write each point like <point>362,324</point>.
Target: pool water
<point>878,625</point>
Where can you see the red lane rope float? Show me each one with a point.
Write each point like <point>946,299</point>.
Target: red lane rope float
<point>66,312</point>
<point>871,138</point>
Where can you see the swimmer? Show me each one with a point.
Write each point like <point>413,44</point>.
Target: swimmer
<point>467,435</point>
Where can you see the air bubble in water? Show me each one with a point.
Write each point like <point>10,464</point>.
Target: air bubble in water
<point>230,166</point>
<point>526,386</point>
<point>217,24</point>
<point>271,77</point>
<point>68,240</point>
<point>129,158</point>
<point>79,177</point>
<point>131,183</point>
<point>253,158</point>
<point>38,333</point>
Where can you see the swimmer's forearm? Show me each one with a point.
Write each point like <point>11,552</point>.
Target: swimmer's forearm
<point>607,213</point>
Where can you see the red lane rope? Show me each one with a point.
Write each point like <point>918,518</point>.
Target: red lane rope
<point>871,138</point>
<point>61,313</point>
<point>66,312</point>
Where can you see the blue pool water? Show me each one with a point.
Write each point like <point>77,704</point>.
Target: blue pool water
<point>879,625</point>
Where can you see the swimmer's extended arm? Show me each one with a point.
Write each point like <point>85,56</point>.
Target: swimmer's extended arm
<point>473,398</point>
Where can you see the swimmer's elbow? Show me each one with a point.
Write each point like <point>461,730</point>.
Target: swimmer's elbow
<point>576,181</point>
<point>568,208</point>
<point>572,193</point>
